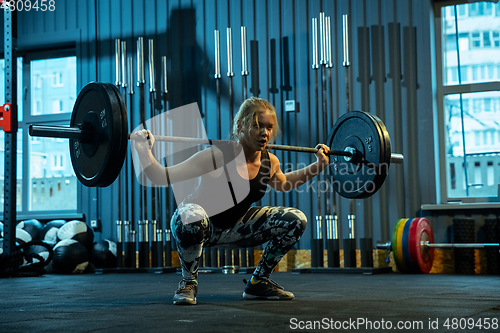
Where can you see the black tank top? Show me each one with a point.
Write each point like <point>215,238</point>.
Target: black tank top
<point>237,208</point>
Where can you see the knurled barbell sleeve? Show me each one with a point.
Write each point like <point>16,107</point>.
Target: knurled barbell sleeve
<point>230,72</point>
<point>140,61</point>
<point>345,30</point>
<point>322,38</point>
<point>217,55</point>
<point>123,62</point>
<point>152,81</point>
<point>119,244</point>
<point>315,64</point>
<point>118,57</point>
<point>244,62</point>
<point>164,81</point>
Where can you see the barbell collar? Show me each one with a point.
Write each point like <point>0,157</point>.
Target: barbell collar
<point>397,158</point>
<point>384,246</point>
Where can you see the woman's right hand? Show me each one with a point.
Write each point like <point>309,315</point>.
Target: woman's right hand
<point>144,140</point>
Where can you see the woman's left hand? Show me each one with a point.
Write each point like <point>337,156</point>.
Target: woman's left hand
<point>323,159</point>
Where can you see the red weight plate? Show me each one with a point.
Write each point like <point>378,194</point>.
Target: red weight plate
<point>421,255</point>
<point>412,240</point>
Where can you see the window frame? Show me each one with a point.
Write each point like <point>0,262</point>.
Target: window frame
<point>58,119</point>
<point>441,91</point>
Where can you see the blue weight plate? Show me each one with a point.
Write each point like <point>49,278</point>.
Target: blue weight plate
<point>405,246</point>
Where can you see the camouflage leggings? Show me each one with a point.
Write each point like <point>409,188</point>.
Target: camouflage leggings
<point>281,227</point>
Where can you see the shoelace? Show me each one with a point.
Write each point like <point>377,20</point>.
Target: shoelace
<point>273,283</point>
<point>183,286</point>
<point>270,281</point>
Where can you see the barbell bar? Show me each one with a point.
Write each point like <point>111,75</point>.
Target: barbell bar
<point>78,133</point>
<point>413,245</point>
<point>460,245</point>
<point>388,246</point>
<point>98,135</point>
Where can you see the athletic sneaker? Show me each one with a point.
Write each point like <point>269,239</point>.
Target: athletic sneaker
<point>265,288</point>
<point>186,293</point>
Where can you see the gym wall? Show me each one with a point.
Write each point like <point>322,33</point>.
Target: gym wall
<point>390,76</point>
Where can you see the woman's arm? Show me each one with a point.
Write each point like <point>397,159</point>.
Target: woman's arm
<point>287,181</point>
<point>197,165</point>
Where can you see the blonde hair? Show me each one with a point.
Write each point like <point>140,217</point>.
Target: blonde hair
<point>249,110</point>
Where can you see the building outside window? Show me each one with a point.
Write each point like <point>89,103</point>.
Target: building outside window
<point>468,95</point>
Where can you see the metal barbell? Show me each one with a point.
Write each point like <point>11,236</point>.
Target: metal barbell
<point>413,245</point>
<point>78,133</point>
<point>98,135</point>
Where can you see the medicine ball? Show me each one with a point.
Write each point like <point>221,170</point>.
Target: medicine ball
<point>70,257</point>
<point>33,227</point>
<point>22,236</point>
<point>77,230</point>
<point>37,250</point>
<point>49,231</point>
<point>103,254</point>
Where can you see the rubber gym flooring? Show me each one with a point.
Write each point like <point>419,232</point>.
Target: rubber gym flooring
<point>142,302</point>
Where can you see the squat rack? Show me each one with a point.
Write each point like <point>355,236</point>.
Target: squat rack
<point>10,126</point>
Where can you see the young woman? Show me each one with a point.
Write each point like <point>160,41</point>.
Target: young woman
<point>242,225</point>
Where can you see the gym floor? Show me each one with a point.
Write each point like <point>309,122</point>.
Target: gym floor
<point>142,302</point>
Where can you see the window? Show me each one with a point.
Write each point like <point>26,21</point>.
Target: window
<point>490,72</point>
<point>58,161</point>
<point>461,9</point>
<point>486,39</point>
<point>57,106</point>
<point>46,180</point>
<point>495,36</point>
<point>480,9</point>
<point>468,101</point>
<point>51,89</point>
<point>476,39</point>
<point>51,174</point>
<point>57,79</point>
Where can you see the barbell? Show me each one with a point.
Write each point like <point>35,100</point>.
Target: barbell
<point>98,138</point>
<point>412,245</point>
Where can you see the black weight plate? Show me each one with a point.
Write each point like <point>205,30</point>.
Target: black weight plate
<point>385,140</point>
<point>121,137</point>
<point>364,174</point>
<point>109,169</point>
<point>99,110</point>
